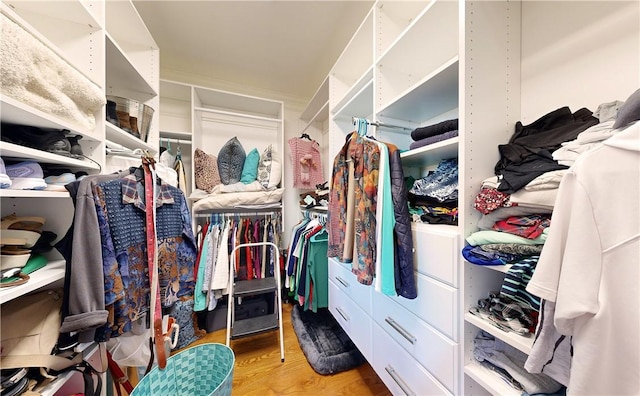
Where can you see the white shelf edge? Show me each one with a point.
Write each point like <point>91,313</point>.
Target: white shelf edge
<point>323,112</point>
<point>117,56</point>
<point>407,30</point>
<point>363,82</point>
<point>489,380</point>
<point>519,342</point>
<point>120,136</point>
<point>319,98</point>
<point>9,193</point>
<point>16,112</point>
<point>50,273</point>
<point>426,79</point>
<point>10,150</point>
<point>427,154</point>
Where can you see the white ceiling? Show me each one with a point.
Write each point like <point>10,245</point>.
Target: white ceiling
<point>287,47</point>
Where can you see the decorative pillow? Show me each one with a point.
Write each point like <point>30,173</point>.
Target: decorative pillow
<point>270,168</point>
<point>629,112</point>
<point>250,168</point>
<point>231,161</point>
<point>205,170</point>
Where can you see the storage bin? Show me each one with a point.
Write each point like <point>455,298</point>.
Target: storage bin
<point>201,370</point>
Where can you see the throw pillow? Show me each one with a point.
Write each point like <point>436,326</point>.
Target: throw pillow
<point>269,169</point>
<point>231,161</point>
<point>629,111</point>
<point>250,168</point>
<point>205,170</point>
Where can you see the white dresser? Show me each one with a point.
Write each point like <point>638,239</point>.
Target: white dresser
<point>411,344</point>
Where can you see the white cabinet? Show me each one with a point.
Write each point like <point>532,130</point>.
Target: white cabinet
<point>108,44</point>
<point>489,64</point>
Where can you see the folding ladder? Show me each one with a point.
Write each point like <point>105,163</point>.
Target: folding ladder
<point>260,324</point>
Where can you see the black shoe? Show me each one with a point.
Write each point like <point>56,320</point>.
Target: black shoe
<point>50,140</point>
<point>75,149</point>
<point>112,117</point>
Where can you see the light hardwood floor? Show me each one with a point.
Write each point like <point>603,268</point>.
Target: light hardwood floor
<point>258,370</point>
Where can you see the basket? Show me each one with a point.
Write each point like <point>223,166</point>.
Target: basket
<point>132,116</point>
<point>202,370</point>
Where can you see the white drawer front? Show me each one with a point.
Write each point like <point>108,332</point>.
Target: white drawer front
<point>435,352</point>
<point>345,280</point>
<point>436,304</point>
<point>399,371</point>
<point>436,253</point>
<point>355,322</point>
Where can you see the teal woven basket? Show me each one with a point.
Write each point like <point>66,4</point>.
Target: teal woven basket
<point>202,370</point>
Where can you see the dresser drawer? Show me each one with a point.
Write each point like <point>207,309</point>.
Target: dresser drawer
<point>436,253</point>
<point>435,352</point>
<point>436,304</point>
<point>400,372</point>
<point>340,274</point>
<point>355,322</point>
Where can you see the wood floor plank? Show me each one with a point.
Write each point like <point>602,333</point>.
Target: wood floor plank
<point>258,370</point>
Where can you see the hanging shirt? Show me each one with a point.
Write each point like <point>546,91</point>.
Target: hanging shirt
<point>306,162</point>
<point>121,217</point>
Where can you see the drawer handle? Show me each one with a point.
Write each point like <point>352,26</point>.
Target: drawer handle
<point>344,282</point>
<point>401,330</point>
<point>344,316</point>
<point>403,385</point>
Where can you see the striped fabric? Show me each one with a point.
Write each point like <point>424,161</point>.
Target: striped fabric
<point>516,281</point>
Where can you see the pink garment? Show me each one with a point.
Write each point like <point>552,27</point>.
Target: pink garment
<point>307,163</point>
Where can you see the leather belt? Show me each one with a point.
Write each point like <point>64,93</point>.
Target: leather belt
<point>155,308</point>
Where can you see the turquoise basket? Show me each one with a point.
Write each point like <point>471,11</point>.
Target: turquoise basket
<point>202,370</point>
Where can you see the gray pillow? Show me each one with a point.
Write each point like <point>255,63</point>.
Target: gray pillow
<point>629,112</point>
<point>231,161</point>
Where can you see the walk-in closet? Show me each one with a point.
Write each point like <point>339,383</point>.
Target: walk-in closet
<point>380,197</point>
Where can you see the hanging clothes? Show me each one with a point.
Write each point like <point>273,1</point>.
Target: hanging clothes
<point>307,266</point>
<point>306,161</point>
<point>361,203</point>
<point>219,240</point>
<point>121,216</point>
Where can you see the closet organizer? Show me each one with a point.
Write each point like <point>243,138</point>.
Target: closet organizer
<point>487,65</point>
<point>94,44</point>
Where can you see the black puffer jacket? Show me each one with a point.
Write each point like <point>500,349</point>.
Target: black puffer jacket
<point>404,277</point>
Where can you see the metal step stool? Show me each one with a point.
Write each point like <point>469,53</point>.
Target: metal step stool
<point>260,324</point>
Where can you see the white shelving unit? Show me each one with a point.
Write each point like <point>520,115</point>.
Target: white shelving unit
<point>108,43</point>
<point>488,64</point>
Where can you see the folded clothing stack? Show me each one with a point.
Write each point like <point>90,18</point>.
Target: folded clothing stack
<point>26,175</point>
<point>430,134</point>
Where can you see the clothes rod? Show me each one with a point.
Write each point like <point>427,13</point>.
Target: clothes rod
<point>176,141</point>
<point>240,212</point>
<point>379,124</point>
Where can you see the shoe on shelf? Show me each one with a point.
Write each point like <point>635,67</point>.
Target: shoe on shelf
<point>50,140</point>
<point>57,182</point>
<point>76,149</point>
<point>112,117</point>
<point>5,180</point>
<point>26,175</point>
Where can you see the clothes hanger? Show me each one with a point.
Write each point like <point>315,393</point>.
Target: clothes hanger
<point>305,136</point>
